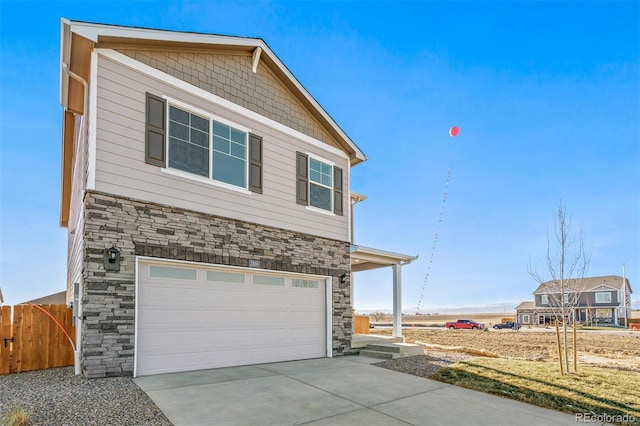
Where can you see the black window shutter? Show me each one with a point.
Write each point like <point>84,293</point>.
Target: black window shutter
<point>255,163</point>
<point>302,179</point>
<point>155,131</point>
<point>337,191</point>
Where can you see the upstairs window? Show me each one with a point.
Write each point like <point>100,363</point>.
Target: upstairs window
<point>201,145</point>
<point>229,155</point>
<point>191,149</point>
<point>188,142</point>
<point>603,297</point>
<point>544,299</point>
<point>318,184</point>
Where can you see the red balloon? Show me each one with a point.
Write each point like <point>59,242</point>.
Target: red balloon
<point>453,132</point>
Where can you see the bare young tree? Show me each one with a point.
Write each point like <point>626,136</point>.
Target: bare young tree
<point>567,264</point>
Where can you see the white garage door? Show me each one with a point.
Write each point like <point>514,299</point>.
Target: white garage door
<point>191,318</point>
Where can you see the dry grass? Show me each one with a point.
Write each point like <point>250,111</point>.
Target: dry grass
<point>16,416</point>
<point>621,348</point>
<point>600,391</point>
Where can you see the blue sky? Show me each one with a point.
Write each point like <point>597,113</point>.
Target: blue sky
<point>546,94</point>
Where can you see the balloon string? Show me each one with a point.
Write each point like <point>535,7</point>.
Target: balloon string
<point>436,236</point>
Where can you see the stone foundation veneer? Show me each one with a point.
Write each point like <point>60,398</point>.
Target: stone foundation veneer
<point>139,228</point>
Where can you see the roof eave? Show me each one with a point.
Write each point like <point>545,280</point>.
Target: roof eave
<point>93,32</point>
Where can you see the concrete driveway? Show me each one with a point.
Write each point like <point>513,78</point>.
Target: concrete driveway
<point>330,391</point>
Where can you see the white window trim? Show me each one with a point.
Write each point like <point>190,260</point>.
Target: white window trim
<point>603,292</point>
<point>198,111</point>
<point>309,183</point>
<point>211,117</point>
<point>525,318</point>
<point>542,299</point>
<point>319,210</point>
<point>202,179</point>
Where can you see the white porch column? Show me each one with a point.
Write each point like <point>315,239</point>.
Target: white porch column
<point>397,301</point>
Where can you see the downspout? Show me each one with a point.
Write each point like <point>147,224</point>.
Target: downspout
<point>85,106</point>
<point>85,85</point>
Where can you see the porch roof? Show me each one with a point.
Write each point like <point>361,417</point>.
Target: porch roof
<point>366,258</point>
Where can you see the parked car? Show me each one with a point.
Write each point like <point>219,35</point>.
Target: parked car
<point>464,324</point>
<point>509,324</point>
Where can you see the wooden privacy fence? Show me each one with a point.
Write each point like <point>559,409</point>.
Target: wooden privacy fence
<point>31,340</point>
<point>361,325</point>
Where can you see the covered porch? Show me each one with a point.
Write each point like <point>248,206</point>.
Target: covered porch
<point>367,258</point>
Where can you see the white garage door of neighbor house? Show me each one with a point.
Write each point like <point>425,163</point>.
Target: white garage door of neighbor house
<point>191,318</point>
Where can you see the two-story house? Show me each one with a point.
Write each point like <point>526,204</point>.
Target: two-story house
<point>207,199</point>
<point>590,300</point>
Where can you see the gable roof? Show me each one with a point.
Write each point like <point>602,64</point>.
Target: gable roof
<point>587,284</point>
<point>78,39</point>
<point>526,305</point>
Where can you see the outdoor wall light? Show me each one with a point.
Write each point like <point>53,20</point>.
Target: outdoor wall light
<point>112,259</point>
<point>343,278</point>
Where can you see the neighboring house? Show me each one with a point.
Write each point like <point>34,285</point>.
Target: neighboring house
<point>593,299</point>
<point>51,299</point>
<point>207,198</point>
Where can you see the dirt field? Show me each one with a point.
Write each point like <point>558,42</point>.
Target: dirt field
<point>610,349</point>
<point>441,319</point>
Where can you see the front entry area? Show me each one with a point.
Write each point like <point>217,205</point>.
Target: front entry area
<point>192,317</point>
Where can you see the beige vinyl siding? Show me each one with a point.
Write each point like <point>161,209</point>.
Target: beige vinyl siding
<point>121,170</point>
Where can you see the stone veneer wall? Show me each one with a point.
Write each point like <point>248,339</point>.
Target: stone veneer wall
<point>231,77</point>
<point>146,229</point>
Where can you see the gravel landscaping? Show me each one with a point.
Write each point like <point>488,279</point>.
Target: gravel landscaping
<point>423,365</point>
<point>58,397</point>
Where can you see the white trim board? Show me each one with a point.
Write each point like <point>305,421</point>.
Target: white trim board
<point>219,101</point>
<point>93,122</point>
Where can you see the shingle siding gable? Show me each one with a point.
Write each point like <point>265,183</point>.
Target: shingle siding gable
<point>230,76</point>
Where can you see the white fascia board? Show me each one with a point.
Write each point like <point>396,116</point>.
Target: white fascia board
<point>93,31</point>
<point>368,251</point>
<point>603,287</point>
<point>92,118</point>
<point>65,51</point>
<point>210,97</point>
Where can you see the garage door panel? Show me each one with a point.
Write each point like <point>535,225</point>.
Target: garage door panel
<point>224,298</point>
<point>222,318</point>
<point>226,317</point>
<point>224,340</point>
<point>166,294</point>
<point>269,337</point>
<point>270,318</point>
<point>306,297</point>
<point>166,342</point>
<point>168,317</point>
<point>302,336</point>
<point>268,301</point>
